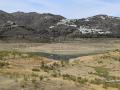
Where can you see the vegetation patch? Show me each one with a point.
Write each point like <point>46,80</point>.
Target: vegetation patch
<point>101,71</point>
<point>36,69</point>
<point>74,78</point>
<point>3,63</point>
<point>105,84</point>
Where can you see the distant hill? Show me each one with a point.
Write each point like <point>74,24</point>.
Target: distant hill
<point>35,27</point>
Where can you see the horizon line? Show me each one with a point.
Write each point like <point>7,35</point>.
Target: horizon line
<point>55,14</point>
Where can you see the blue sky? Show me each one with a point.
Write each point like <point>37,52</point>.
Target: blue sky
<point>67,8</point>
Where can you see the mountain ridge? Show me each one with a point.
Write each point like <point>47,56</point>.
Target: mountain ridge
<point>48,27</point>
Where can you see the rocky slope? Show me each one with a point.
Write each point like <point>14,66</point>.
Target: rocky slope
<point>20,26</point>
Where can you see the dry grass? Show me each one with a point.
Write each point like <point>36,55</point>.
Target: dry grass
<point>32,72</point>
<point>84,46</point>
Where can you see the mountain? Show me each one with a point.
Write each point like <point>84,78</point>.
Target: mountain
<point>35,27</point>
<point>4,17</point>
<point>35,20</point>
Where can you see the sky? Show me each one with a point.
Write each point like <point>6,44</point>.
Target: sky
<point>71,9</point>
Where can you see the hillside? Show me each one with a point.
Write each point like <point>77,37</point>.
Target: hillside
<point>25,71</point>
<point>48,27</point>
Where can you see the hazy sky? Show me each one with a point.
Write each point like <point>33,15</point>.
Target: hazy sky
<point>67,8</point>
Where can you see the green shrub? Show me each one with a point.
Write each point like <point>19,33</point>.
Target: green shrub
<point>114,85</point>
<point>100,71</point>
<point>36,69</point>
<point>82,80</point>
<point>3,63</point>
<point>96,81</point>
<point>54,74</point>
<point>34,75</point>
<point>41,77</point>
<point>69,77</point>
<point>100,62</point>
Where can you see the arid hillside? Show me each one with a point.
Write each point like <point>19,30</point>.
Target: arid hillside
<point>26,71</point>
